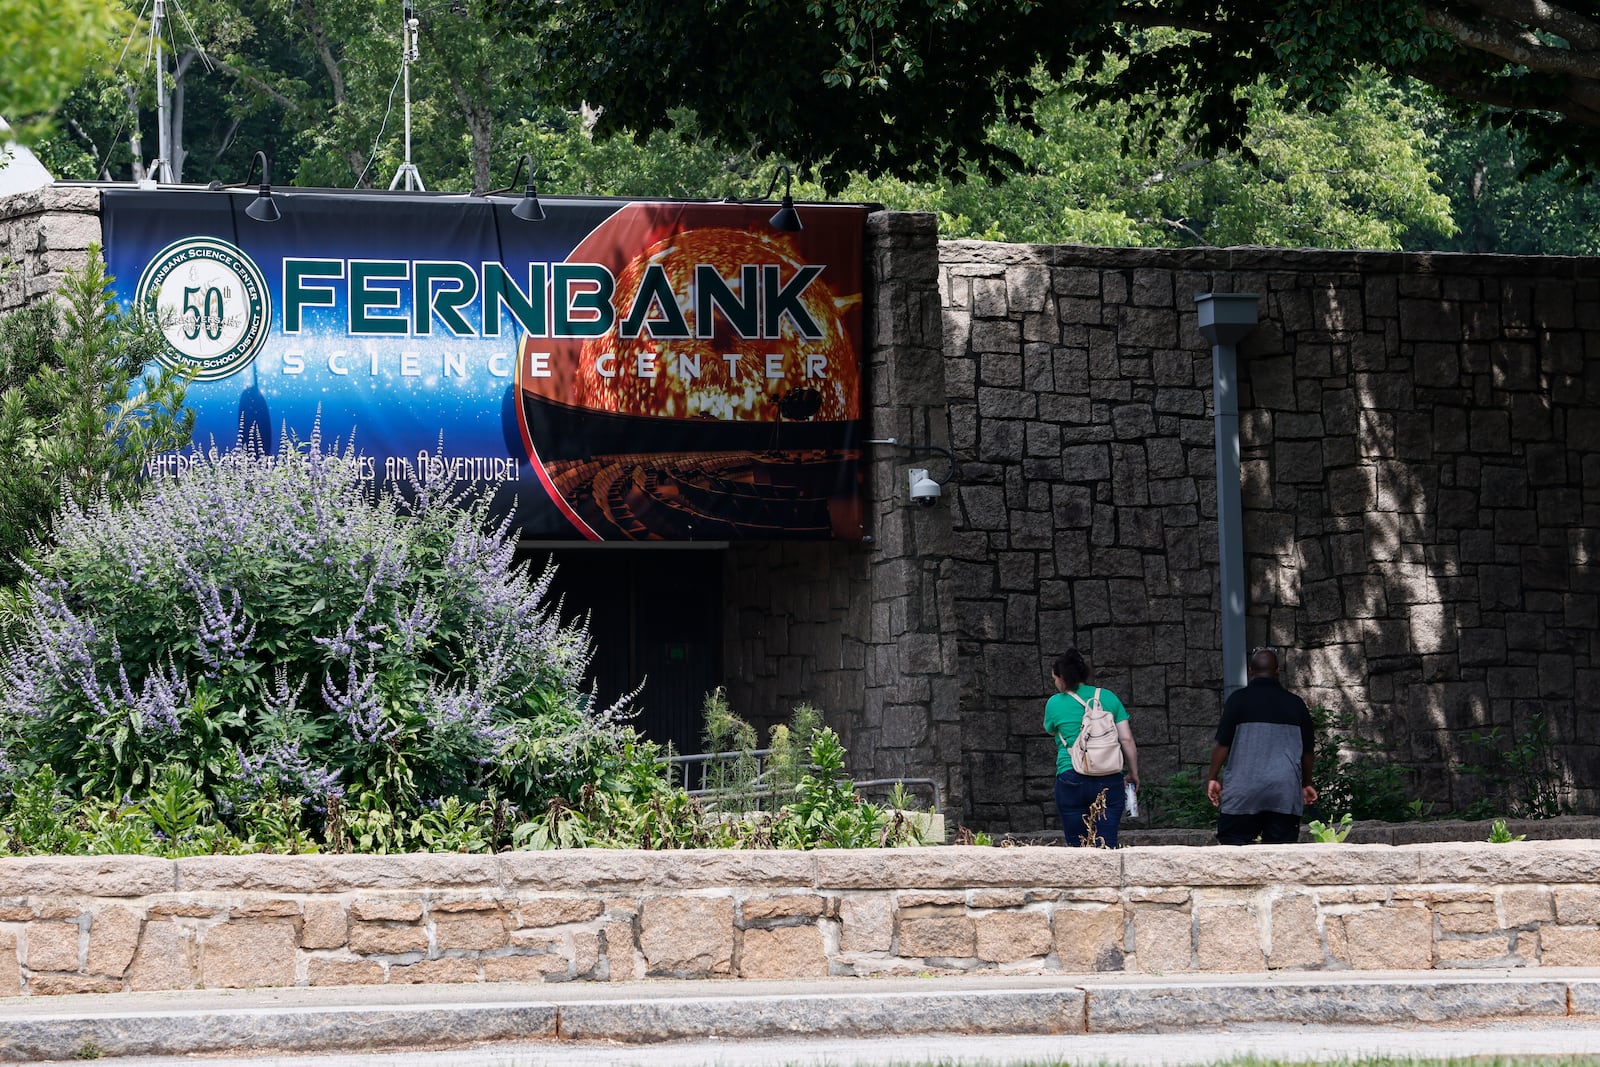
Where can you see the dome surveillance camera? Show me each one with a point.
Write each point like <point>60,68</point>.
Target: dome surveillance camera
<point>924,490</point>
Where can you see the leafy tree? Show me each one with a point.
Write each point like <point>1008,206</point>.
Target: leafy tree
<point>45,47</point>
<point>85,142</point>
<point>1496,206</point>
<point>78,415</point>
<point>1356,178</point>
<point>910,88</point>
<point>315,85</point>
<point>681,160</point>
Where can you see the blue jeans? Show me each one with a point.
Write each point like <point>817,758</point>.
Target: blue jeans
<point>1075,792</point>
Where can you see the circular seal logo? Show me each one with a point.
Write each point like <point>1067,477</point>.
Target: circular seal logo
<point>211,303</point>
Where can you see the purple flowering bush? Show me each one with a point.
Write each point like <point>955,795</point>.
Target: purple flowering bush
<point>267,625</point>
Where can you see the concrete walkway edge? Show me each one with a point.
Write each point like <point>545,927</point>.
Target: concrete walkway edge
<point>342,1022</point>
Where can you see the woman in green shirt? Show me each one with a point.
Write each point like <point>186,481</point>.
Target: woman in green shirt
<point>1063,717</point>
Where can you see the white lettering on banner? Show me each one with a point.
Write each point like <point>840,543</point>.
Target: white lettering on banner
<point>431,468</point>
<point>410,363</point>
<point>687,366</point>
<point>464,365</point>
<point>178,462</point>
<point>171,463</point>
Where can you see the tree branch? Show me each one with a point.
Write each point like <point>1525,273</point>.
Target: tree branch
<point>1515,46</point>
<point>1147,19</point>
<point>319,39</point>
<point>1572,27</point>
<point>1479,91</point>
<point>259,85</point>
<point>1182,227</point>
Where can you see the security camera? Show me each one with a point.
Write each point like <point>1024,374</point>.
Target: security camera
<point>924,490</point>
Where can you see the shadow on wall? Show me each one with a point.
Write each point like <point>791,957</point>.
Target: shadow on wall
<point>1414,475</point>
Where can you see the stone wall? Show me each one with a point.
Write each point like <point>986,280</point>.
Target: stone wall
<point>1421,459</point>
<point>108,924</point>
<point>43,234</point>
<point>864,631</point>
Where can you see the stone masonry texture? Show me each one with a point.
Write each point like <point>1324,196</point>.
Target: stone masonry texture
<point>267,921</point>
<point>1420,442</point>
<point>44,234</point>
<point>865,631</point>
<point>1421,484</point>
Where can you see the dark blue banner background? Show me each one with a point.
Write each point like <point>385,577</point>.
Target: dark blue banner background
<point>399,390</point>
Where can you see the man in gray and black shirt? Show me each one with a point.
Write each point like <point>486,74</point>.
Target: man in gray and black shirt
<point>1266,739</point>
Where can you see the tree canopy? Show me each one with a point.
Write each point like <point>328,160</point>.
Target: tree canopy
<point>889,101</point>
<point>45,48</point>
<point>909,87</point>
<point>1359,177</point>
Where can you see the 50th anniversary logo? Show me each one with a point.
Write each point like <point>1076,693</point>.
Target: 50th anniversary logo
<point>211,303</point>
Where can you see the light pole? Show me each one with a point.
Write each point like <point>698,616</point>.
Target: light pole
<point>1225,320</point>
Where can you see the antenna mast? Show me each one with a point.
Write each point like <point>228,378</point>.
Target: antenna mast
<point>408,172</point>
<point>162,168</point>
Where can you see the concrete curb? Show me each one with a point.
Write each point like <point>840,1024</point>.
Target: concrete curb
<point>334,1029</point>
<point>653,1013</point>
<point>1132,1009</point>
<point>864,1014</point>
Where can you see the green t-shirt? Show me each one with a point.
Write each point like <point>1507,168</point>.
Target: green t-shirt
<point>1063,718</point>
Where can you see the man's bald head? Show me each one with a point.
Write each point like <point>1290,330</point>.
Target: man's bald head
<point>1264,663</point>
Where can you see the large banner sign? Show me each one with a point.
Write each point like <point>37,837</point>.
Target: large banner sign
<point>616,371</point>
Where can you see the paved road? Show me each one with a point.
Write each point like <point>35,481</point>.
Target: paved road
<point>1302,1043</point>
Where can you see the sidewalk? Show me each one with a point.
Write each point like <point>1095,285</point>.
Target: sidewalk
<point>373,1018</point>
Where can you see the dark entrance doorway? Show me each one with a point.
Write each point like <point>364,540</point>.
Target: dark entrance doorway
<point>656,619</point>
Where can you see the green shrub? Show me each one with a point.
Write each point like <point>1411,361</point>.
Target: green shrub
<point>649,810</point>
<point>790,745</point>
<point>1178,801</point>
<point>267,627</point>
<point>78,415</point>
<point>732,780</point>
<point>1500,833</point>
<point>1334,834</point>
<point>1353,775</point>
<point>1518,772</point>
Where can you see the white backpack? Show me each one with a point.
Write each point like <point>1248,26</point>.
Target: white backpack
<point>1096,752</point>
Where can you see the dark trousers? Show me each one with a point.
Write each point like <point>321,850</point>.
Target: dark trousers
<point>1075,792</point>
<point>1273,827</point>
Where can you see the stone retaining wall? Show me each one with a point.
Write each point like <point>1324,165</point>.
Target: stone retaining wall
<point>1421,491</point>
<point>44,234</point>
<point>106,924</point>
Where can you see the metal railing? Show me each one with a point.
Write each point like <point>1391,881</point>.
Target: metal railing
<point>760,787</point>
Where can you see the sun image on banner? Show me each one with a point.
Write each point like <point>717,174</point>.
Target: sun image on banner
<point>723,400</point>
<point>619,371</point>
